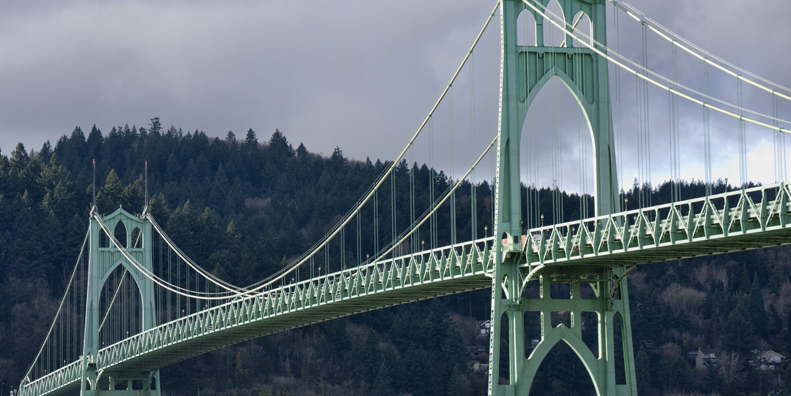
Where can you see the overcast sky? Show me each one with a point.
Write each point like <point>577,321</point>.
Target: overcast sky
<point>356,74</point>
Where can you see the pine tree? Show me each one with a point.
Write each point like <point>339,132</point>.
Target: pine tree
<point>744,285</point>
<point>112,194</point>
<point>459,384</point>
<point>158,207</point>
<point>737,332</point>
<point>757,311</point>
<point>19,158</point>
<point>251,141</point>
<point>643,368</point>
<point>382,385</point>
<point>775,321</point>
<point>155,127</point>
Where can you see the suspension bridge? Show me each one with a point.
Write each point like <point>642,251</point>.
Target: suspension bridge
<point>136,303</point>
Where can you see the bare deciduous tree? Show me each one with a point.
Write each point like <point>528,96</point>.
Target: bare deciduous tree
<point>681,298</point>
<point>731,368</point>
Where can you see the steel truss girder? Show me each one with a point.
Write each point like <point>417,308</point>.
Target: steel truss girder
<point>754,218</point>
<point>737,220</point>
<point>448,270</point>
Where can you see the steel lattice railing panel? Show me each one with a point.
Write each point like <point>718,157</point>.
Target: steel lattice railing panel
<point>423,275</point>
<point>737,220</point>
<point>66,379</point>
<point>643,235</point>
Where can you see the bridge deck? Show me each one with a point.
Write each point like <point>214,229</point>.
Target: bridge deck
<point>736,221</point>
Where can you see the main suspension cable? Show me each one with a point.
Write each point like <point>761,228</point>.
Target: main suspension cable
<point>648,22</point>
<point>153,277</point>
<point>605,54</point>
<point>60,307</point>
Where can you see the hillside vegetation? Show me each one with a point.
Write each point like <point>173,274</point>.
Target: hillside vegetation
<point>244,208</point>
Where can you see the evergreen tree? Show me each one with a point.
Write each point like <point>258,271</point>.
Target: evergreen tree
<point>251,141</point>
<point>19,158</point>
<point>737,332</point>
<point>155,127</point>
<point>382,385</point>
<point>744,278</point>
<point>757,311</point>
<point>112,194</point>
<point>775,321</point>
<point>459,384</point>
<point>643,368</point>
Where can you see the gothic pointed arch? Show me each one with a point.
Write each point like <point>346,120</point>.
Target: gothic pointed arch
<point>120,306</point>
<point>583,28</point>
<point>136,239</point>
<point>120,233</point>
<point>567,335</point>
<point>526,28</point>
<point>553,35</point>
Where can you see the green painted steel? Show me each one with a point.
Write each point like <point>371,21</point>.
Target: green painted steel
<point>595,251</point>
<point>97,380</point>
<point>524,71</point>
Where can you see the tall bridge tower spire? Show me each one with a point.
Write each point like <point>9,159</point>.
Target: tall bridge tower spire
<point>135,236</point>
<point>524,71</point>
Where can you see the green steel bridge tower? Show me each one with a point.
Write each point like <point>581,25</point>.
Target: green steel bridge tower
<point>525,70</point>
<point>104,259</point>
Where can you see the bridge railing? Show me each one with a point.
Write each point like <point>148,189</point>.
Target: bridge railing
<point>472,258</point>
<point>716,216</point>
<point>66,375</point>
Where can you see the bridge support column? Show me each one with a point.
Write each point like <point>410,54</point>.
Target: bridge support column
<point>608,300</point>
<point>524,71</point>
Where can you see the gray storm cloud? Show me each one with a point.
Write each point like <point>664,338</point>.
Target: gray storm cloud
<point>356,74</point>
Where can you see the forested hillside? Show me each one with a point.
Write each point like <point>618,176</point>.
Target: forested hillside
<point>243,208</point>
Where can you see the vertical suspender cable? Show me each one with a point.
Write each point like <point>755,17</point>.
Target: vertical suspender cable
<point>473,180</point>
<point>707,132</point>
<point>169,307</point>
<point>326,258</point>
<point>670,136</point>
<point>647,121</point>
<point>780,153</point>
<point>450,171</point>
<point>671,141</point>
<point>742,137</point>
<point>359,246</point>
<point>619,130</point>
<point>581,158</point>
<point>639,125</point>
<point>431,180</point>
<point>69,318</point>
<point>677,127</point>
<point>376,223</point>
<point>495,104</point>
<point>528,138</point>
<point>393,208</point>
<point>178,283</point>
<point>60,336</point>
<point>187,285</point>
<point>161,274</point>
<point>413,240</point>
<point>554,133</point>
<point>675,161</point>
